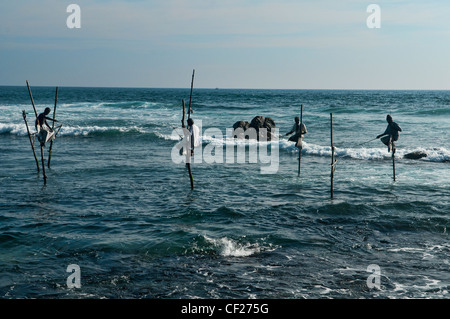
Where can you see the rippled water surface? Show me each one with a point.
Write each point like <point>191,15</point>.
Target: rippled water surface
<point>117,205</point>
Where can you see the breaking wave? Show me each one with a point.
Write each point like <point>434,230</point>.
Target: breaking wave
<point>228,247</point>
<point>440,154</point>
<point>433,154</point>
<point>20,130</point>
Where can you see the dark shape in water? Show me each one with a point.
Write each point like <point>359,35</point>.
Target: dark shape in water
<point>257,123</point>
<point>415,155</point>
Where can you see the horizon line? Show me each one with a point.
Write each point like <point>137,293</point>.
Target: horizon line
<point>219,88</point>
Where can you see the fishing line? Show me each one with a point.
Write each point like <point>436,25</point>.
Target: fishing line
<point>367,141</point>
<point>176,128</point>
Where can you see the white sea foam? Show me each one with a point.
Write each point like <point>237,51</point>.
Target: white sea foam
<point>308,148</point>
<point>170,137</point>
<point>14,129</point>
<point>118,105</point>
<point>434,154</point>
<point>86,130</point>
<point>20,129</point>
<point>439,154</point>
<point>422,290</point>
<point>230,248</point>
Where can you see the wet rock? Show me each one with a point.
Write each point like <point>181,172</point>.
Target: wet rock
<point>260,128</point>
<point>415,155</point>
<point>241,124</point>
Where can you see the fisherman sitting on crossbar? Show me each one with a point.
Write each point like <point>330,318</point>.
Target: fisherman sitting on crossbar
<point>44,133</point>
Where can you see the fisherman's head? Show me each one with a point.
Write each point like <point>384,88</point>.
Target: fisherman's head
<point>389,118</point>
<point>47,111</point>
<point>297,119</point>
<point>190,122</point>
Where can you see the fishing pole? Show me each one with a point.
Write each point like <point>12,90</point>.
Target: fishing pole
<point>176,128</point>
<point>368,141</point>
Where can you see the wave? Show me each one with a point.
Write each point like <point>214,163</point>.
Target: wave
<point>434,154</point>
<point>20,130</point>
<point>146,131</point>
<point>170,137</point>
<point>88,105</point>
<point>96,130</point>
<point>14,129</point>
<point>228,247</point>
<point>440,154</point>
<point>118,105</point>
<point>436,111</point>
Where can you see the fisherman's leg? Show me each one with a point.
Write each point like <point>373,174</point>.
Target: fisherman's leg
<point>299,142</point>
<point>387,141</point>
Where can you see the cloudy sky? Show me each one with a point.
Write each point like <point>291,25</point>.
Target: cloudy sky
<point>287,44</point>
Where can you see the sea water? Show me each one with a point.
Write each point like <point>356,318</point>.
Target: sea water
<point>119,207</point>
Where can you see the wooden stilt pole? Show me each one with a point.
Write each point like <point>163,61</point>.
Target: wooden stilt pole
<point>190,175</point>
<point>190,98</point>
<point>184,112</point>
<point>31,141</point>
<point>43,163</point>
<point>300,140</point>
<point>53,127</point>
<point>333,161</point>
<point>188,154</point>
<point>32,101</point>
<point>393,158</point>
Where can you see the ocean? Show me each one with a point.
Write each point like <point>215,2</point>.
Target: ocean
<point>119,207</point>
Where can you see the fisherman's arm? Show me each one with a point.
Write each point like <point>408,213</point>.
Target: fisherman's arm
<point>291,131</point>
<point>386,132</point>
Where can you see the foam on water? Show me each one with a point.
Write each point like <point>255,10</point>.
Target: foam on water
<point>13,129</point>
<point>87,130</point>
<point>20,129</point>
<point>434,154</point>
<point>228,247</point>
<point>440,154</point>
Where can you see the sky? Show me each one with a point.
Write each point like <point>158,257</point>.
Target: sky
<point>265,44</point>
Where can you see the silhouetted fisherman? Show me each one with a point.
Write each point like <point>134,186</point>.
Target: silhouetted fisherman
<point>299,129</point>
<point>391,132</point>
